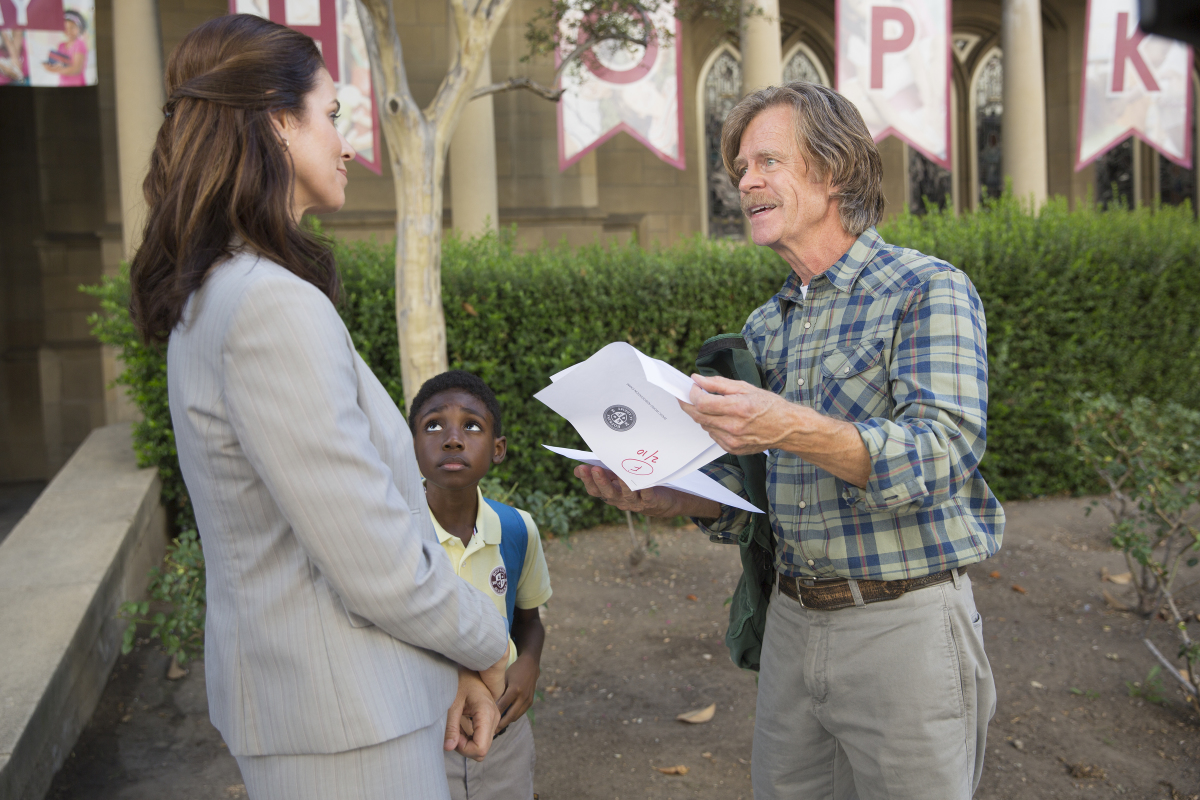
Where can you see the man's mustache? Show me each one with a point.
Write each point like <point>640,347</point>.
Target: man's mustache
<point>754,200</point>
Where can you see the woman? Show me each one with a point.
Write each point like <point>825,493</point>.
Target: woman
<point>333,614</point>
<point>69,61</point>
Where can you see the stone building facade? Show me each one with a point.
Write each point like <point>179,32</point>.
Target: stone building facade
<point>73,161</point>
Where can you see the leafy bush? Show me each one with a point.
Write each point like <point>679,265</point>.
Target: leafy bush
<point>179,582</point>
<point>1076,301</point>
<point>1149,456</point>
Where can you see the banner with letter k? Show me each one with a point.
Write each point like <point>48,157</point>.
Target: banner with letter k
<point>893,63</point>
<point>1133,83</point>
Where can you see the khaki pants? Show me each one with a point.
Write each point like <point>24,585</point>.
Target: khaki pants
<point>505,774</point>
<point>891,700</point>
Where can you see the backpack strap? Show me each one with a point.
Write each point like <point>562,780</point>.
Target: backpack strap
<point>514,541</point>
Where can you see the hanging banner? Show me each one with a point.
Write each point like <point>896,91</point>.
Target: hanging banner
<point>1133,84</point>
<point>47,43</point>
<point>334,26</point>
<point>893,63</point>
<point>619,89</point>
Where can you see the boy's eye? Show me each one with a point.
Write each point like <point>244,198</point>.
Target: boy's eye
<point>432,427</point>
<point>473,426</point>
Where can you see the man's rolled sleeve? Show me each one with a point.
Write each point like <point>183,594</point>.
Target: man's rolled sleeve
<point>925,453</point>
<point>725,528</point>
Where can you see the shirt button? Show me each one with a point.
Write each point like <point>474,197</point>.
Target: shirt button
<point>846,371</point>
<point>807,325</point>
<point>811,562</point>
<point>802,504</point>
<point>800,382</point>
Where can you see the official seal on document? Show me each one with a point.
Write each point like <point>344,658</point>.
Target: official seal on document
<point>619,418</point>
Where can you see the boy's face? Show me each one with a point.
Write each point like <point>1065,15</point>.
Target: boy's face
<point>454,442</point>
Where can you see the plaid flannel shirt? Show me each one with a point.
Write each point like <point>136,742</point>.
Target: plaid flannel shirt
<point>894,342</point>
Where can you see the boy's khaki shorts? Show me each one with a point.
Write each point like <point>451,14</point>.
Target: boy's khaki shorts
<point>505,774</point>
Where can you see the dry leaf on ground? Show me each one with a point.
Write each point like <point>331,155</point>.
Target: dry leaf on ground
<point>1121,578</point>
<point>1017,588</point>
<point>175,672</point>
<point>994,573</point>
<point>1113,602</point>
<point>693,597</point>
<point>699,715</point>
<point>678,769</point>
<point>1082,771</point>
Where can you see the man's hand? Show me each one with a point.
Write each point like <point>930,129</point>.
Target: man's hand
<point>658,501</point>
<point>518,695</point>
<point>744,419</point>
<point>474,702</point>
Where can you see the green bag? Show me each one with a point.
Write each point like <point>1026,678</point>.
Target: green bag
<point>728,356</point>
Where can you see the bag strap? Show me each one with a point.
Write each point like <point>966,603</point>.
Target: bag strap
<point>514,542</point>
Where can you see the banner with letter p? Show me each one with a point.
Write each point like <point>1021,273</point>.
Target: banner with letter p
<point>1133,83</point>
<point>893,63</point>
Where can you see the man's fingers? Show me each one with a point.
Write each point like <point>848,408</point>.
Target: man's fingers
<point>454,738</point>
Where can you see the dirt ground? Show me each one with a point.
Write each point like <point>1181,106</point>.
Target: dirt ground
<point>629,649</point>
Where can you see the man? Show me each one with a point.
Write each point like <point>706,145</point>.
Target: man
<point>873,682</point>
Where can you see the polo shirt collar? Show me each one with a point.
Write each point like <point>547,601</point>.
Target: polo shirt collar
<point>487,523</point>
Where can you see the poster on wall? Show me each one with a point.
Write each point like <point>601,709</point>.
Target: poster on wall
<point>1133,84</point>
<point>335,27</point>
<point>47,43</point>
<point>615,88</point>
<point>893,63</point>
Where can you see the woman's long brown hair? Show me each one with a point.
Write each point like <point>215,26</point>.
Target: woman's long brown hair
<point>220,178</point>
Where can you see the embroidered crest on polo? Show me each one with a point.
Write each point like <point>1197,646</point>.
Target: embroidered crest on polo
<point>620,418</point>
<point>499,580</point>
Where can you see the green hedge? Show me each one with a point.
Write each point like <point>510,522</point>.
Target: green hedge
<point>1090,300</point>
<point>1084,301</point>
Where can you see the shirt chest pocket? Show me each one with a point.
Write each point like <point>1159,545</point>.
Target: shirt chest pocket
<point>854,382</point>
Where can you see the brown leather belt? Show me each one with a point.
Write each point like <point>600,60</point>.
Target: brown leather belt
<point>835,593</point>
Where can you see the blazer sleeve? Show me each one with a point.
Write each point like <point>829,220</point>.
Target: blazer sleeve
<point>292,396</point>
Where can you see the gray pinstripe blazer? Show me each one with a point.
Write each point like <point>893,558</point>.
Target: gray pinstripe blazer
<point>333,612</point>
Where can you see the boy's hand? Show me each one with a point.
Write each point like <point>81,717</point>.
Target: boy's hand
<point>522,679</point>
<point>474,702</point>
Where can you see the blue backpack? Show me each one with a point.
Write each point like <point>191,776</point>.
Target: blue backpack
<point>514,541</point>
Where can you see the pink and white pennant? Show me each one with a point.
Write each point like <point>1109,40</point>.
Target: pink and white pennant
<point>893,63</point>
<point>616,89</point>
<point>1133,84</point>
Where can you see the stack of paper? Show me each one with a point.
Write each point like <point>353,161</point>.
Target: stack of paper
<point>623,404</point>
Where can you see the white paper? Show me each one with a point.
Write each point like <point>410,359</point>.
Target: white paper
<point>624,405</point>
<point>694,482</point>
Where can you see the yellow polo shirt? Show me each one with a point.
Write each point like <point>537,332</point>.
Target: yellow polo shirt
<point>480,564</point>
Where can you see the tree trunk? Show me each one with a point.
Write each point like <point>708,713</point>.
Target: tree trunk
<point>417,141</point>
<point>418,164</point>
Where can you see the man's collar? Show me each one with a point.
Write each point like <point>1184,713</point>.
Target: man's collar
<point>844,272</point>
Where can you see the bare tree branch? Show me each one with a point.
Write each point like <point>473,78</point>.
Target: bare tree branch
<point>1187,687</point>
<point>389,75</point>
<point>511,84</point>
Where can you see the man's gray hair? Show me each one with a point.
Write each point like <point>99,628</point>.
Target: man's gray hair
<point>833,141</point>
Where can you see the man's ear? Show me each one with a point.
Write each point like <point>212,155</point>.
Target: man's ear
<point>501,449</point>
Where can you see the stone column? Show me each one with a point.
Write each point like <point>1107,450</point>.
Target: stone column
<point>473,196</point>
<point>762,46</point>
<point>138,69</point>
<point>1023,137</point>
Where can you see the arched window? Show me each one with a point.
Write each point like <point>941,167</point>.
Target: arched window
<point>722,88</point>
<point>1114,176</point>
<point>802,64</point>
<point>987,111</point>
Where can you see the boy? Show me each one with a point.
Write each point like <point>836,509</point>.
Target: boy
<point>457,435</point>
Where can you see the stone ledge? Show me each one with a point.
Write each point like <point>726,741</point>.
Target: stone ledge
<point>85,547</point>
